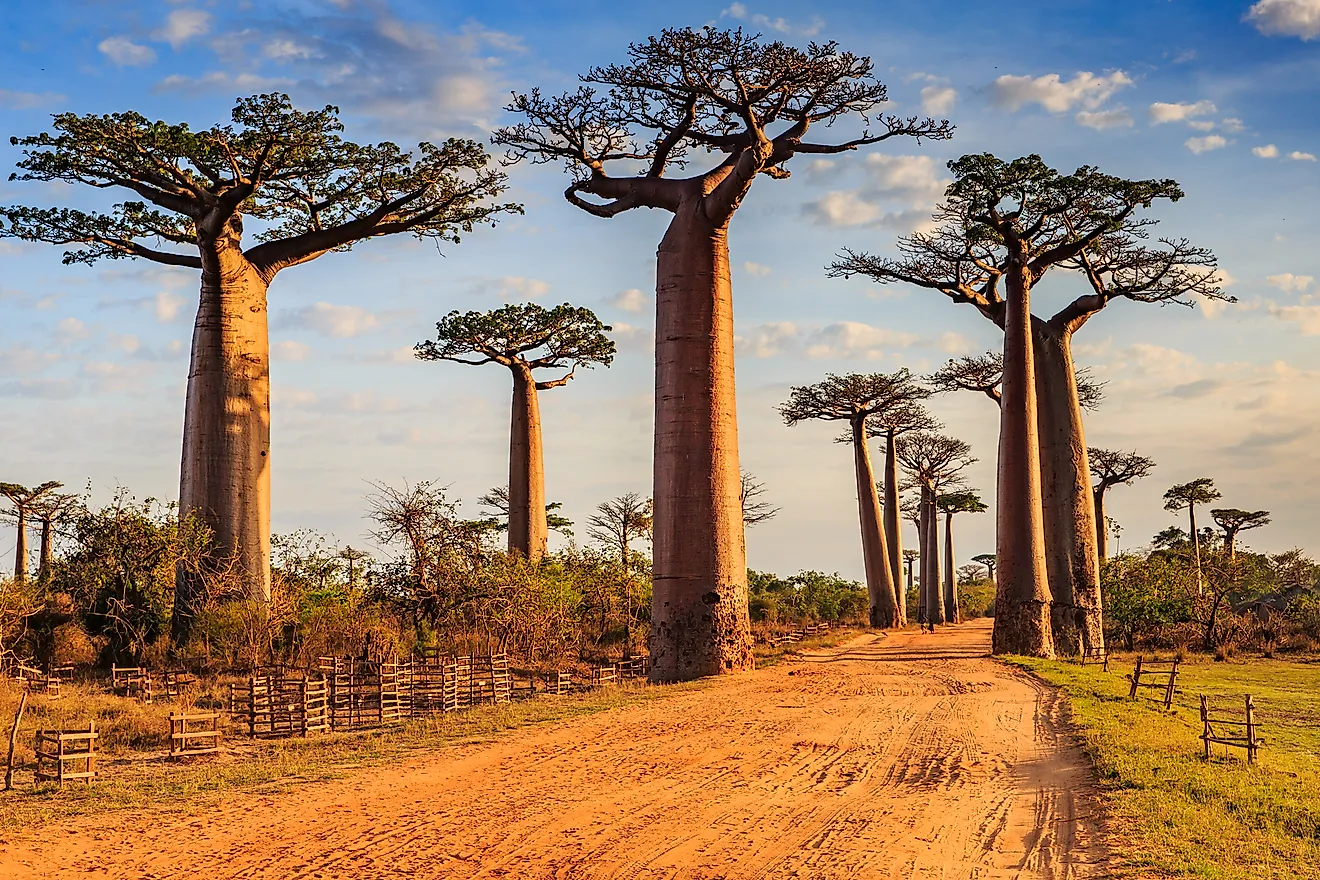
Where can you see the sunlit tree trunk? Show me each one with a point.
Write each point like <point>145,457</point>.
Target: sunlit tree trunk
<point>1068,503</point>
<point>528,531</point>
<point>894,526</point>
<point>47,552</point>
<point>225,474</point>
<point>931,557</point>
<point>1101,530</point>
<point>699,623</point>
<point>950,574</point>
<point>1022,600</point>
<point>21,546</point>
<point>875,551</point>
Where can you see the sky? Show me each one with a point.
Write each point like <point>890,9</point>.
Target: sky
<point>1222,96</point>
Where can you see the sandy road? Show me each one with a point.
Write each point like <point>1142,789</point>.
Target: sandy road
<point>912,756</point>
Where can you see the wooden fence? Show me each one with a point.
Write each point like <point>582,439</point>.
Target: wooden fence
<point>132,681</point>
<point>1096,655</point>
<point>282,703</point>
<point>1224,730</point>
<point>196,734</point>
<point>66,755</point>
<point>37,682</point>
<point>1163,675</point>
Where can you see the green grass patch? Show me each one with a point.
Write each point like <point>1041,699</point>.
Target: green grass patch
<point>1175,814</point>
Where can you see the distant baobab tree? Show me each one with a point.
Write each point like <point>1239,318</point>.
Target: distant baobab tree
<point>1233,520</point>
<point>966,501</point>
<point>1187,495</point>
<point>988,560</point>
<point>909,559</point>
<point>47,508</point>
<point>1113,468</point>
<point>24,500</point>
<point>857,398</point>
<point>935,462</point>
<point>1007,224</point>
<point>524,338</point>
<point>984,373</point>
<point>496,501</point>
<point>616,524</point>
<point>755,510</point>
<point>681,95</point>
<point>903,418</point>
<point>312,193</point>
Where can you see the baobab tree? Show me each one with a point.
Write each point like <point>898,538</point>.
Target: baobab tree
<point>966,501</point>
<point>904,417</point>
<point>496,502</point>
<point>911,509</point>
<point>755,509</point>
<point>988,560</point>
<point>1006,224</point>
<point>312,192</point>
<point>934,462</point>
<point>23,500</point>
<point>755,103</point>
<point>857,398</point>
<point>910,557</point>
<point>984,373</point>
<point>524,338</point>
<point>1234,520</point>
<point>1187,495</point>
<point>47,508</point>
<point>1112,468</point>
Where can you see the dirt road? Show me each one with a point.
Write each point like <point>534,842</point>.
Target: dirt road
<point>912,756</point>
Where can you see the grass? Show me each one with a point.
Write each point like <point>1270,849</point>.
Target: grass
<point>134,739</point>
<point>1177,815</point>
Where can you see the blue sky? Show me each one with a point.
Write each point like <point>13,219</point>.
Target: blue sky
<point>1222,96</point>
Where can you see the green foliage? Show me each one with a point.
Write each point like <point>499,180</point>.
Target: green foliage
<point>805,596</point>
<point>1184,495</point>
<point>522,333</point>
<point>1144,595</point>
<point>976,599</point>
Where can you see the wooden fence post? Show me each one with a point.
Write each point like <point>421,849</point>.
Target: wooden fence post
<point>1251,731</point>
<point>13,738</point>
<point>1173,677</point>
<point>1136,680</point>
<point>1205,725</point>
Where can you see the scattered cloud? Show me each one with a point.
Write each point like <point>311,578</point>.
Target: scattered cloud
<point>1160,112</point>
<point>18,358</point>
<point>756,269</point>
<point>291,350</point>
<point>740,12</point>
<point>843,208</point>
<point>953,343</point>
<point>182,25</point>
<point>167,306</point>
<point>768,340</point>
<point>1287,281</point>
<point>340,322</point>
<point>1286,18</point>
<point>937,100</point>
<point>899,192</point>
<point>512,287</point>
<point>1232,125</point>
<point>1269,151</point>
<point>1306,317</point>
<point>11,100</point>
<point>50,389</point>
<point>1119,117</point>
<point>1298,156</point>
<point>217,80</point>
<point>852,340</point>
<point>125,53</point>
<point>631,300</point>
<point>71,328</point>
<point>1055,94</point>
<point>1205,144</point>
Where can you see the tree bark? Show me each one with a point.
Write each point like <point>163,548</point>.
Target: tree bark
<point>21,546</point>
<point>1072,558</point>
<point>931,557</point>
<point>1101,530</point>
<point>225,473</point>
<point>894,527</point>
<point>699,622</point>
<point>528,532</point>
<point>875,550</point>
<point>1230,544</point>
<point>950,575</point>
<point>1022,598</point>
<point>1196,548</point>
<point>47,551</point>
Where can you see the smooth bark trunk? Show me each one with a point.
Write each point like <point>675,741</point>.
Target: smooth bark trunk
<point>21,547</point>
<point>225,474</point>
<point>1196,549</point>
<point>894,526</point>
<point>528,532</point>
<point>1022,597</point>
<point>1072,557</point>
<point>950,575</point>
<point>875,550</point>
<point>1101,528</point>
<point>45,556</point>
<point>699,622</point>
<point>1230,545</point>
<point>931,557</point>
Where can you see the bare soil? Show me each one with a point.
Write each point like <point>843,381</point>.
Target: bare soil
<point>908,756</point>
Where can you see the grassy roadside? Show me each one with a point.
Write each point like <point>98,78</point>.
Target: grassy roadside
<point>136,775</point>
<point>1176,815</point>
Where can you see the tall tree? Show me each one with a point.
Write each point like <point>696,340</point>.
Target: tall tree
<point>904,417</point>
<point>496,502</point>
<point>616,524</point>
<point>312,192</point>
<point>988,560</point>
<point>934,462</point>
<point>755,102</point>
<point>858,398</point>
<point>1005,225</point>
<point>47,508</point>
<point>912,510</point>
<point>1187,495</point>
<point>23,499</point>
<point>755,509</point>
<point>1112,468</point>
<point>966,501</point>
<point>1234,520</point>
<point>910,557</point>
<point>524,338</point>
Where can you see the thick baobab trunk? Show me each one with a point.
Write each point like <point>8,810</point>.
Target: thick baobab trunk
<point>931,558</point>
<point>21,547</point>
<point>225,474</point>
<point>1072,558</point>
<point>1196,548</point>
<point>950,575</point>
<point>1230,545</point>
<point>699,623</point>
<point>894,527</point>
<point>47,552</point>
<point>1022,596</point>
<point>875,551</point>
<point>528,532</point>
<point>1101,529</point>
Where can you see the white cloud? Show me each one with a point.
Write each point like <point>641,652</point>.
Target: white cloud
<point>182,25</point>
<point>1231,125</point>
<point>938,100</point>
<point>71,328</point>
<point>1307,318</point>
<point>1054,93</point>
<point>1202,125</point>
<point>909,186</point>
<point>1298,156</point>
<point>1290,282</point>
<point>512,287</point>
<point>1288,18</point>
<point>1161,112</point>
<point>1205,144</point>
<point>167,306</point>
<point>853,340</point>
<point>20,358</point>
<point>843,208</point>
<point>768,340</point>
<point>781,25</point>
<point>756,269</point>
<point>631,300</point>
<point>1119,117</point>
<point>291,350</point>
<point>340,322</point>
<point>125,53</point>
<point>12,100</point>
<point>285,49</point>
<point>1269,151</point>
<point>221,81</point>
<point>953,343</point>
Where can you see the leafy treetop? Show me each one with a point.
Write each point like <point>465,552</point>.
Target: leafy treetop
<point>935,460</point>
<point>315,191</point>
<point>852,396</point>
<point>1199,491</point>
<point>1233,520</point>
<point>966,501</point>
<point>1110,467</point>
<point>985,373</point>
